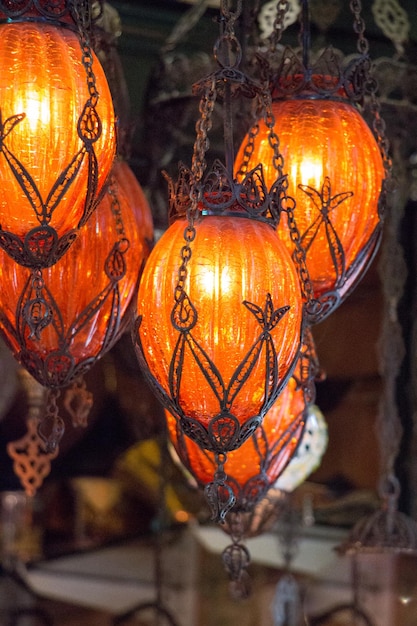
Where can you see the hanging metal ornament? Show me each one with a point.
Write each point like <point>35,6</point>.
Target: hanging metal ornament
<point>57,128</point>
<point>388,529</point>
<point>59,321</point>
<point>219,320</point>
<point>328,151</point>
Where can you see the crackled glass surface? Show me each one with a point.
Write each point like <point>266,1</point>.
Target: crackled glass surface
<point>335,175</point>
<point>263,457</point>
<point>90,290</point>
<point>233,260</point>
<point>43,80</point>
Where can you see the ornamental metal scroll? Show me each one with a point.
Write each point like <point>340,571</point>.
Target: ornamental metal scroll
<point>224,432</point>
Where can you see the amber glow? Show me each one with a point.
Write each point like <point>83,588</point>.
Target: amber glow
<point>233,259</point>
<point>42,79</point>
<point>335,175</point>
<point>265,455</point>
<point>77,282</point>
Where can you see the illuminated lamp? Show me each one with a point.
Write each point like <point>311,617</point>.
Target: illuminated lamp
<point>221,347</point>
<point>57,129</point>
<point>335,175</point>
<point>60,320</point>
<point>336,165</point>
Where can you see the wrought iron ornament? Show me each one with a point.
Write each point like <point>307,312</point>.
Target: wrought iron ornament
<point>225,430</point>
<point>38,311</point>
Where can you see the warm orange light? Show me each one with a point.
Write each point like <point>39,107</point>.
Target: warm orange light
<point>233,260</point>
<point>89,290</point>
<point>43,92</point>
<point>257,464</point>
<point>335,174</point>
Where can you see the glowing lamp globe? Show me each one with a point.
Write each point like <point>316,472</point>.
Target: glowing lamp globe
<point>59,321</point>
<point>335,174</point>
<point>58,139</point>
<point>220,345</point>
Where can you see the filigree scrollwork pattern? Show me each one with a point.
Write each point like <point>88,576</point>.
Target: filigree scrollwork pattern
<point>225,431</point>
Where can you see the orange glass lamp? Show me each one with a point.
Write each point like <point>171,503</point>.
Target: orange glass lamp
<point>59,321</point>
<point>225,348</point>
<point>219,308</point>
<point>335,168</point>
<point>57,126</point>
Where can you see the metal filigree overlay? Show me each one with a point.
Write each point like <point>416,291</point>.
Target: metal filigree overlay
<point>329,76</point>
<point>222,195</point>
<point>42,247</point>
<point>37,311</point>
<point>57,10</point>
<point>224,432</point>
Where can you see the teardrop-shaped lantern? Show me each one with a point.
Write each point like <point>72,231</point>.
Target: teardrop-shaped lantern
<point>220,345</point>
<point>335,174</point>
<point>57,132</point>
<point>60,320</point>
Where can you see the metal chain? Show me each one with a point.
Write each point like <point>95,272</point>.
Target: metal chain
<point>359,26</point>
<point>185,254</point>
<point>300,258</point>
<point>202,143</point>
<point>299,255</point>
<point>229,16</point>
<point>379,127</point>
<point>371,89</point>
<point>83,19</point>
<point>198,167</point>
<point>278,27</point>
<point>51,428</point>
<point>273,139</point>
<point>112,190</point>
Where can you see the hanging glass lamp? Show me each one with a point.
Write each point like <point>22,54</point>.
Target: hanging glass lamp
<point>57,128</point>
<point>334,160</point>
<point>219,308</point>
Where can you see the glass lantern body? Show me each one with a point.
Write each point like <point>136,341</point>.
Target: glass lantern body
<point>45,166</point>
<point>239,281</point>
<point>87,297</point>
<point>335,174</point>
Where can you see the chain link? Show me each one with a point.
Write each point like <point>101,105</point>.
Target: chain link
<point>311,304</point>
<point>371,89</point>
<point>83,19</point>
<point>112,190</point>
<point>278,27</point>
<point>359,26</point>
